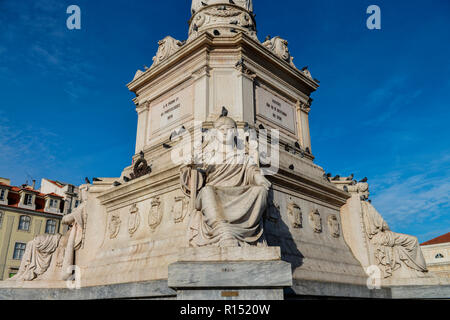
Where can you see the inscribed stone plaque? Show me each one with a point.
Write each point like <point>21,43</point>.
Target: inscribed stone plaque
<point>166,112</point>
<point>276,110</point>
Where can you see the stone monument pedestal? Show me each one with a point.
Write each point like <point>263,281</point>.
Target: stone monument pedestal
<point>247,273</point>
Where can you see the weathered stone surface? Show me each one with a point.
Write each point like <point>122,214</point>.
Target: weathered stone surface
<point>138,290</point>
<point>229,254</point>
<point>333,289</point>
<point>421,292</point>
<point>265,274</point>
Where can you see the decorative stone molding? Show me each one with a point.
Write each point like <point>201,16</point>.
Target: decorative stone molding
<point>180,209</point>
<point>203,71</point>
<point>244,70</point>
<point>155,214</point>
<point>220,18</point>
<point>114,225</point>
<point>295,215</point>
<point>334,227</point>
<point>279,47</point>
<point>315,221</point>
<point>134,220</point>
<point>306,107</point>
<point>167,47</point>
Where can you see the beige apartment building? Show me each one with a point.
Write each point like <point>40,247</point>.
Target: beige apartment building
<point>437,255</point>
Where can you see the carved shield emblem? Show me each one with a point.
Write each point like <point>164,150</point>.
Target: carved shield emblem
<point>333,224</point>
<point>295,215</point>
<point>179,209</point>
<point>114,225</point>
<point>134,220</point>
<point>315,220</point>
<point>155,215</point>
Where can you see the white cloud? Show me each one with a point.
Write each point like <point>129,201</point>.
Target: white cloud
<point>423,198</point>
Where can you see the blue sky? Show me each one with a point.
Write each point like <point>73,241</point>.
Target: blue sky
<point>381,111</point>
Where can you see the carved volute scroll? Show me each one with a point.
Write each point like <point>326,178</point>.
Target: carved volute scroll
<point>315,221</point>
<point>279,47</point>
<point>167,47</point>
<point>155,214</point>
<point>295,215</point>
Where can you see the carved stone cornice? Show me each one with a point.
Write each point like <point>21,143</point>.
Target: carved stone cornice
<point>244,70</point>
<point>306,107</point>
<point>167,47</point>
<point>203,71</point>
<point>141,107</point>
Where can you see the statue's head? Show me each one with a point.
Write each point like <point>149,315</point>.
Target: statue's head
<point>226,130</point>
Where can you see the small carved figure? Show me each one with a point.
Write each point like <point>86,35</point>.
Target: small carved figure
<point>155,214</point>
<point>134,220</point>
<point>333,224</point>
<point>295,215</point>
<point>114,225</point>
<point>315,220</point>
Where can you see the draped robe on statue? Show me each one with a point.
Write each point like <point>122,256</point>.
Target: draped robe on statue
<point>391,248</point>
<point>41,251</point>
<point>230,206</point>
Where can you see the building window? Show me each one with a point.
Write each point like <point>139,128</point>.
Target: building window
<point>24,223</point>
<point>76,203</point>
<point>1,219</point>
<point>28,200</point>
<point>50,228</point>
<point>2,194</point>
<point>439,256</point>
<point>53,203</point>
<point>19,250</point>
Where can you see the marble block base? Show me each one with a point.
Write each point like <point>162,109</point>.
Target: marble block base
<point>229,254</point>
<point>212,278</point>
